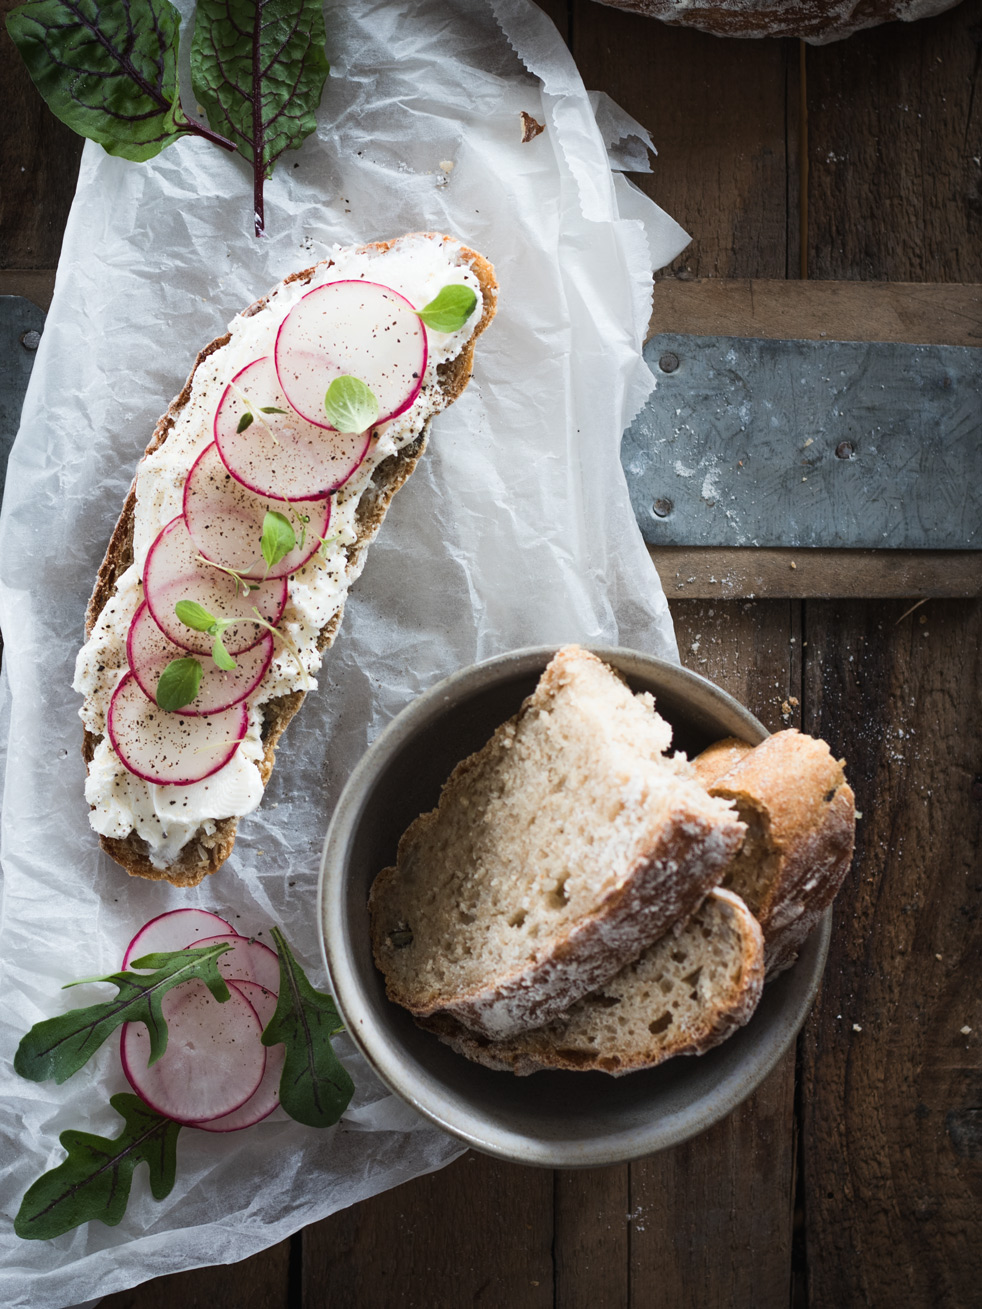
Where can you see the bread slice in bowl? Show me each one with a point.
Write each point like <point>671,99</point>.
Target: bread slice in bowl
<point>556,854</point>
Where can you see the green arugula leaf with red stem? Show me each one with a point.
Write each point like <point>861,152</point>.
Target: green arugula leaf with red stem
<point>94,1181</point>
<point>108,70</point>
<point>259,67</point>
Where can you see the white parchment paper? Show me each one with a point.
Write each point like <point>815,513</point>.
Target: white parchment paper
<point>516,529</point>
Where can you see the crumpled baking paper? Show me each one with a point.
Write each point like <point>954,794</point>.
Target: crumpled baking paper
<point>515,530</point>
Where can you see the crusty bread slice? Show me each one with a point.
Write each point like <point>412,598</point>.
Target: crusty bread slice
<point>685,994</point>
<point>205,853</point>
<point>556,854</point>
<point>801,822</point>
<point>719,758</point>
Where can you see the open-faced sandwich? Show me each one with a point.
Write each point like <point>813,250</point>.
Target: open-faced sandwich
<point>247,522</point>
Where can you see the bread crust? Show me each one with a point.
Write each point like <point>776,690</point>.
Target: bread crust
<point>794,792</point>
<point>204,854</point>
<point>561,1044</point>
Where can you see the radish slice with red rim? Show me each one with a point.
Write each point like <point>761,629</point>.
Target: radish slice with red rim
<point>225,520</point>
<point>174,572</point>
<point>351,328</point>
<point>266,1097</point>
<point>149,652</point>
<point>178,929</point>
<point>248,961</point>
<point>171,749</point>
<point>281,455</point>
<point>214,1060</point>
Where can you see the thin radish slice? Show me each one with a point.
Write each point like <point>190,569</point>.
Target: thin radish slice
<point>178,929</point>
<point>214,1059</point>
<point>149,652</point>
<point>171,749</point>
<point>355,328</point>
<point>174,572</point>
<point>266,1097</point>
<point>225,520</point>
<point>249,961</point>
<point>281,455</point>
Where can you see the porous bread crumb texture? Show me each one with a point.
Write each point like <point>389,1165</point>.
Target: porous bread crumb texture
<point>555,855</point>
<point>205,853</point>
<point>800,817</point>
<point>683,995</point>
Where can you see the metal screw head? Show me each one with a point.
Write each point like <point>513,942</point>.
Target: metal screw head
<point>662,508</point>
<point>845,450</point>
<point>668,362</point>
<point>31,339</point>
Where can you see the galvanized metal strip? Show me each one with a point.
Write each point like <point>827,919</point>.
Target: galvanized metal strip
<point>21,325</point>
<point>808,443</point>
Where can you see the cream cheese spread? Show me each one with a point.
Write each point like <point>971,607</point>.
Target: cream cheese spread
<point>167,817</point>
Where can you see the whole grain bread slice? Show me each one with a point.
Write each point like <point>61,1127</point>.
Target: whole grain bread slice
<point>683,995</point>
<point>556,854</point>
<point>205,852</point>
<point>800,815</point>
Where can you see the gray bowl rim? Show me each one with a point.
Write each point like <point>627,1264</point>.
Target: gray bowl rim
<point>383,1056</point>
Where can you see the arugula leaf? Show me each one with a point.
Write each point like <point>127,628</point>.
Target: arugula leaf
<point>350,405</point>
<point>108,70</point>
<point>94,1181</point>
<point>179,683</point>
<point>58,1047</point>
<point>449,310</point>
<point>278,538</point>
<point>259,67</point>
<point>315,1087</point>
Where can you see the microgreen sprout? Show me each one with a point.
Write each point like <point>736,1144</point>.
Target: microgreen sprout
<point>179,684</point>
<point>350,405</point>
<point>195,616</point>
<point>251,410</point>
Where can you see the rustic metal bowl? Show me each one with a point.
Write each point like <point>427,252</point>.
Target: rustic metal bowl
<point>554,1119</point>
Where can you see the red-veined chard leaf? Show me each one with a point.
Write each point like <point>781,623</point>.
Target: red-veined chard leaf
<point>258,67</point>
<point>314,1087</point>
<point>108,70</point>
<point>94,1181</point>
<point>58,1047</point>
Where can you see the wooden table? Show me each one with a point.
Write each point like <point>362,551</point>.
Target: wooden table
<point>854,1175</point>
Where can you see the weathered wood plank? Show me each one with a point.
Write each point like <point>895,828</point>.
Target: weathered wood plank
<point>477,1233</point>
<point>261,1282</point>
<point>724,574</point>
<point>38,163</point>
<point>594,1222</point>
<point>720,114</point>
<point>895,138</point>
<point>891,1083</point>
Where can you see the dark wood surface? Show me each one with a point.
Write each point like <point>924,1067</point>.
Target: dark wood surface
<point>854,1175</point>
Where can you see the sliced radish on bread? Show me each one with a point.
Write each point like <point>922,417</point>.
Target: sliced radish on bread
<point>225,520</point>
<point>281,455</point>
<point>357,329</point>
<point>266,1097</point>
<point>149,652</point>
<point>173,572</point>
<point>178,929</point>
<point>214,1061</point>
<point>171,749</point>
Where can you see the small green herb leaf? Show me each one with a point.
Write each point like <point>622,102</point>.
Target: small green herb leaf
<point>315,1087</point>
<point>450,310</point>
<point>271,409</point>
<point>350,405</point>
<point>278,538</point>
<point>244,422</point>
<point>94,1181</point>
<point>195,616</point>
<point>58,1047</point>
<point>222,657</point>
<point>179,683</point>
